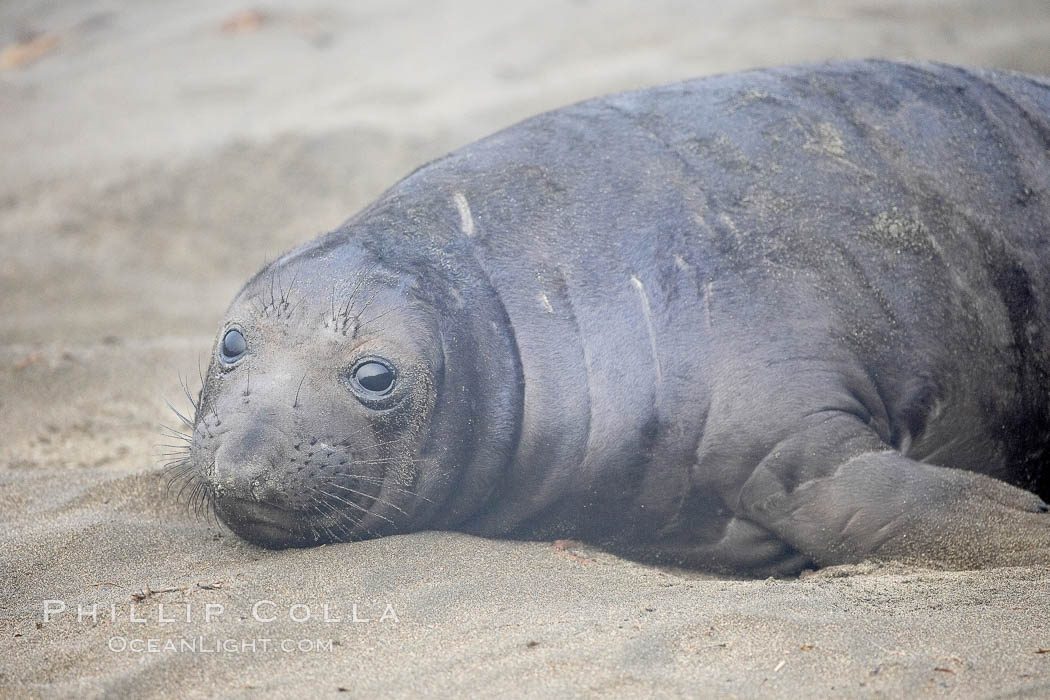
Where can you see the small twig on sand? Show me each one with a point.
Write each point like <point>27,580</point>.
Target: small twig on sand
<point>149,592</point>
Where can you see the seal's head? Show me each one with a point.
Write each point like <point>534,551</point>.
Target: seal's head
<point>346,398</point>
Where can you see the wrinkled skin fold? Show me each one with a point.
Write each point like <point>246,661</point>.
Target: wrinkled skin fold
<point>750,323</point>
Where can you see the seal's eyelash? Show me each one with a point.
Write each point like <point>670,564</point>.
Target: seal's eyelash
<point>281,303</point>
<point>342,317</point>
<point>379,316</point>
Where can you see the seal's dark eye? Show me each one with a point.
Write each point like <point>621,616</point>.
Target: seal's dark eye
<point>373,378</point>
<point>233,346</point>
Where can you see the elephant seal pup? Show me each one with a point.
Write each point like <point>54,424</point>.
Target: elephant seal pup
<point>750,323</point>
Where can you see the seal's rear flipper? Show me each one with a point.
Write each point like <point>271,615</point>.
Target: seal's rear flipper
<point>742,547</point>
<point>837,493</point>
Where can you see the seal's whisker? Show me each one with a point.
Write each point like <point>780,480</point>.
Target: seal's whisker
<point>205,503</point>
<point>174,447</point>
<point>388,442</point>
<point>388,460</point>
<point>181,447</point>
<point>336,523</point>
<point>195,497</point>
<point>174,410</point>
<point>348,440</point>
<point>200,373</point>
<point>357,285</point>
<point>378,316</point>
<point>295,404</point>
<point>194,478</point>
<point>174,479</point>
<point>356,477</point>
<point>383,481</point>
<point>361,477</point>
<point>180,450</point>
<point>374,497</point>
<point>354,434</point>
<point>169,457</point>
<point>273,301</point>
<point>342,520</point>
<point>364,308</point>
<point>176,461</point>
<point>186,391</point>
<point>294,307</point>
<point>332,535</point>
<point>194,494</point>
<point>192,484</point>
<point>170,484</point>
<point>212,512</point>
<point>201,500</point>
<point>291,285</point>
<point>331,495</point>
<point>353,520</point>
<point>328,531</point>
<point>177,472</point>
<point>184,442</point>
<point>175,434</point>
<point>175,476</point>
<point>353,505</point>
<point>346,522</point>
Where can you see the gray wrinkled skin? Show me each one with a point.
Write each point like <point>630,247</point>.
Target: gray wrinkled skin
<point>749,323</point>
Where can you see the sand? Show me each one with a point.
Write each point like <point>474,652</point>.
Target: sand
<point>155,154</point>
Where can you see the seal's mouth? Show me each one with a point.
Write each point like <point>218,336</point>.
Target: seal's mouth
<point>265,525</point>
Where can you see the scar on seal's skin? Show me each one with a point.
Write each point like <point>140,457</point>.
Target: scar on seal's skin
<point>731,225</point>
<point>466,219</point>
<point>709,290</point>
<point>648,312</point>
<point>546,303</point>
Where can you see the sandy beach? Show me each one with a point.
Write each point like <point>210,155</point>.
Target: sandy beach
<point>155,155</point>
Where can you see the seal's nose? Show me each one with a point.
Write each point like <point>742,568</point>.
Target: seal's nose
<point>249,465</point>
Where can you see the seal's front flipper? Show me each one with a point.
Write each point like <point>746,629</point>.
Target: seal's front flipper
<point>837,493</point>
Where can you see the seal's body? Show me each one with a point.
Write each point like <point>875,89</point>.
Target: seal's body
<point>753,322</point>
